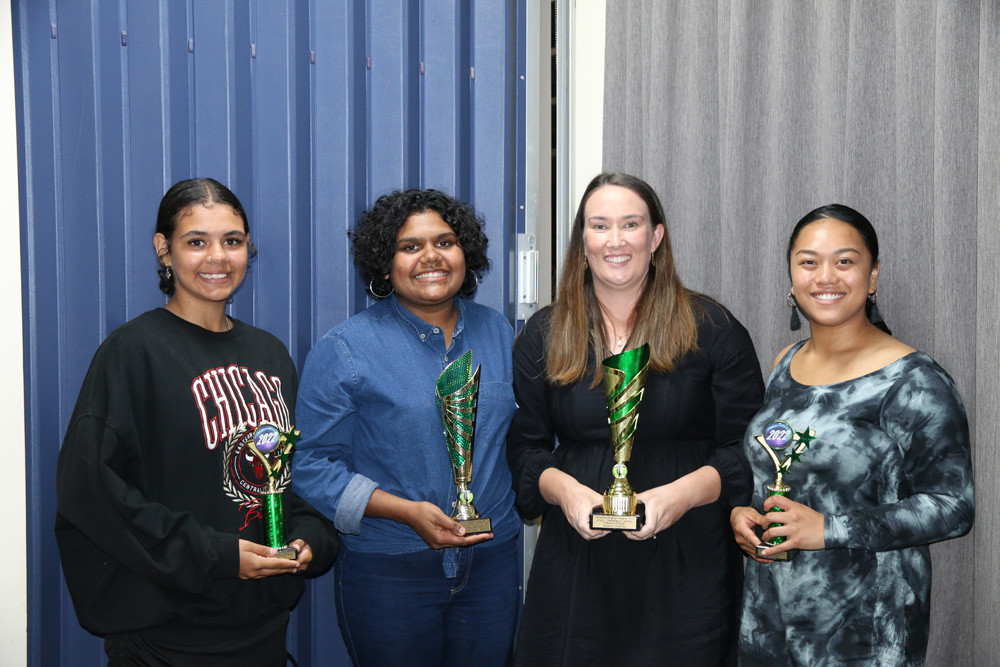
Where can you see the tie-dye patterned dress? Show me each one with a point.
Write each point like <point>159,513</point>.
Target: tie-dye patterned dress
<point>890,470</point>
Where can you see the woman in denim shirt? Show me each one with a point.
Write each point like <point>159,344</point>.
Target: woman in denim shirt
<point>412,587</point>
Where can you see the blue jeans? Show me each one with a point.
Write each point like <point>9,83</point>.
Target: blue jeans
<point>400,609</point>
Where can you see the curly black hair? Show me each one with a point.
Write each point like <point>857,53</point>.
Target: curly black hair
<point>373,240</point>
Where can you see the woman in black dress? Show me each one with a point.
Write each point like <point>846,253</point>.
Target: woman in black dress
<point>668,593</point>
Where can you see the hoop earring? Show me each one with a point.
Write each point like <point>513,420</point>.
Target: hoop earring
<point>874,316</point>
<point>371,290</point>
<point>794,323</point>
<point>475,278</point>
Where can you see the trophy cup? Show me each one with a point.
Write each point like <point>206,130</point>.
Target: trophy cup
<point>273,449</point>
<point>457,392</point>
<point>624,378</point>
<point>779,435</point>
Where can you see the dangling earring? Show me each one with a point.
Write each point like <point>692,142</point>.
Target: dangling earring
<point>371,289</point>
<point>874,316</point>
<point>167,273</point>
<point>795,323</point>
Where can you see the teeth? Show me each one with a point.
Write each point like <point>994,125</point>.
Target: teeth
<point>433,274</point>
<point>828,297</point>
<point>618,259</point>
<point>213,276</point>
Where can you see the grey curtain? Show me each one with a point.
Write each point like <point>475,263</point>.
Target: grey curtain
<point>745,115</point>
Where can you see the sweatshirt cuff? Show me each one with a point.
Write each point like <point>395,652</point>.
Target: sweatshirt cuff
<point>835,531</point>
<point>227,551</point>
<point>353,501</point>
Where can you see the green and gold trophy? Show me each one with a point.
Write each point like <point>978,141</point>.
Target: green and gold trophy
<point>624,379</point>
<point>457,391</point>
<point>273,448</point>
<point>777,437</point>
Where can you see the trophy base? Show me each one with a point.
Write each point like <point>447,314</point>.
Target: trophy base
<point>601,521</point>
<point>783,556</point>
<point>476,526</point>
<point>288,553</point>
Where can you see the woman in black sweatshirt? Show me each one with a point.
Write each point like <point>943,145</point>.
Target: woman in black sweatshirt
<point>159,517</point>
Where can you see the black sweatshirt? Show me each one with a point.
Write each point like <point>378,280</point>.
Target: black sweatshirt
<point>156,486</point>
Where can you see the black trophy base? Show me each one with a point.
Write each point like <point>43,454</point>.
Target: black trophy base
<point>288,553</point>
<point>783,556</point>
<point>601,521</point>
<point>476,526</point>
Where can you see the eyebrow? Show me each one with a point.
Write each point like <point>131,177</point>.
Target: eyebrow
<point>805,251</point>
<point>410,239</point>
<point>628,216</point>
<point>198,232</point>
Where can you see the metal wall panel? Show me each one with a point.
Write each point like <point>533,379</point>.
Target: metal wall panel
<point>308,111</point>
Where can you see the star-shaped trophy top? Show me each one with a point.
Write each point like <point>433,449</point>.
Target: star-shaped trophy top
<point>777,436</point>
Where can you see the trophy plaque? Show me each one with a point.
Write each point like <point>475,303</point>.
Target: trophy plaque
<point>777,437</point>
<point>273,448</point>
<point>457,392</point>
<point>624,379</point>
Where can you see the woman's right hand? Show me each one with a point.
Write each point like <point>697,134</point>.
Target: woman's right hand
<point>574,499</point>
<point>427,520</point>
<point>439,530</point>
<point>744,520</point>
<point>257,561</point>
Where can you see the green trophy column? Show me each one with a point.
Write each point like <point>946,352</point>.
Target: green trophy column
<point>274,519</point>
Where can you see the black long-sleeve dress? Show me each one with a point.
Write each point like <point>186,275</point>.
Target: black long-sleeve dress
<point>670,600</point>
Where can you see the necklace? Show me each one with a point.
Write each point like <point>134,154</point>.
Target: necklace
<point>229,322</point>
<point>621,340</point>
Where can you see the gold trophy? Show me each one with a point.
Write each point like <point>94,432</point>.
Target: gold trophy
<point>624,379</point>
<point>273,448</point>
<point>457,392</point>
<point>779,435</point>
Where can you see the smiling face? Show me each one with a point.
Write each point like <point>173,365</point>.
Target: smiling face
<point>619,239</point>
<point>429,266</point>
<point>207,253</point>
<point>832,272</point>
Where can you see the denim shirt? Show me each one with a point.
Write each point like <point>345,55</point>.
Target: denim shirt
<point>369,419</point>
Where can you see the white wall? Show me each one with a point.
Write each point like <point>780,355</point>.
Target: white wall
<point>587,95</point>
<point>14,573</point>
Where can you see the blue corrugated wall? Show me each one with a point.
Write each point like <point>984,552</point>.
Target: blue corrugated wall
<point>308,110</point>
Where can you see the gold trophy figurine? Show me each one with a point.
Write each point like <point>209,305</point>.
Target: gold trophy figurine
<point>457,392</point>
<point>624,379</point>
<point>777,436</point>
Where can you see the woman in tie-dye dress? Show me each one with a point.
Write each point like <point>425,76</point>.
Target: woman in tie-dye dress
<point>877,445</point>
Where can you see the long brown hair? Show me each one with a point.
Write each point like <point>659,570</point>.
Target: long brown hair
<point>664,315</point>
